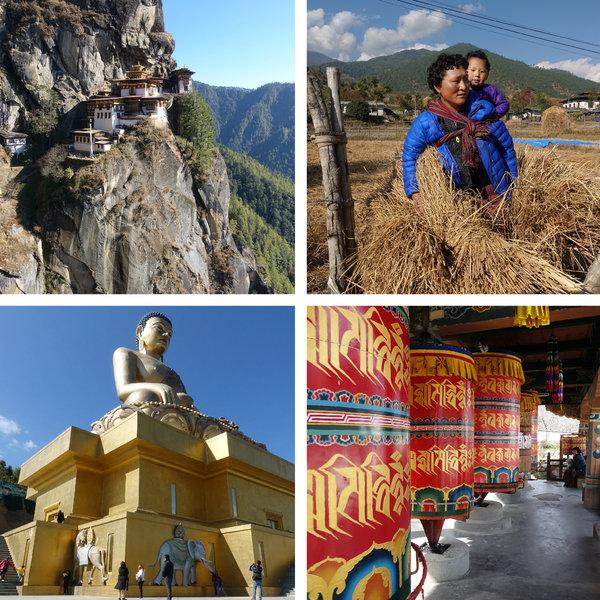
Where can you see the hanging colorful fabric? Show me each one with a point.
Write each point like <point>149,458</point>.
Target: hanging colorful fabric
<point>532,316</point>
<point>358,479</point>
<point>554,376</point>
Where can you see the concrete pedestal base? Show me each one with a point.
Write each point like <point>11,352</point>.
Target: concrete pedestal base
<point>485,520</point>
<point>453,564</point>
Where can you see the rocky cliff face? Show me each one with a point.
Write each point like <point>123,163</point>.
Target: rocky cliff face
<point>74,47</point>
<point>133,221</point>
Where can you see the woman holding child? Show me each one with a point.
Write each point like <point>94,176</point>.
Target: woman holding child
<point>475,148</point>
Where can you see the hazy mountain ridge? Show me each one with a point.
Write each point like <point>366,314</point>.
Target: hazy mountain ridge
<point>406,71</point>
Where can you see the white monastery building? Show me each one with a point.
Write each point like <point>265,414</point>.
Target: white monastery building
<point>137,97</point>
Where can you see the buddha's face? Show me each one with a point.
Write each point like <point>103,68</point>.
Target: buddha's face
<point>156,335</point>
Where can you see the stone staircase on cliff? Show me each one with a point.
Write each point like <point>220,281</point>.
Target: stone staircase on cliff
<point>288,583</point>
<point>8,587</point>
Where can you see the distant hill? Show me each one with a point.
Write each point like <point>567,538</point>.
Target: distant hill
<point>406,72</point>
<point>257,122</point>
<point>316,58</point>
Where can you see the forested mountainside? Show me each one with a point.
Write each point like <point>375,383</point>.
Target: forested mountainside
<point>257,122</point>
<point>406,72</point>
<point>262,217</point>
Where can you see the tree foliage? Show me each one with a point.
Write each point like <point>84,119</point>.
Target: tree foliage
<point>193,123</point>
<point>271,196</point>
<point>8,473</point>
<point>358,110</point>
<point>274,256</point>
<point>43,121</point>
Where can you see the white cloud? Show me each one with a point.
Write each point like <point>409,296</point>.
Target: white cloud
<point>471,7</point>
<point>413,26</point>
<point>8,427</point>
<point>435,47</point>
<point>333,38</point>
<point>316,17</point>
<point>29,445</point>
<point>582,67</point>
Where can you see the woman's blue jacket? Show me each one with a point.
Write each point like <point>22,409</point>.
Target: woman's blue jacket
<point>497,151</point>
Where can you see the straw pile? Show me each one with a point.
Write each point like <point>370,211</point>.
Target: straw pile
<point>453,246</point>
<point>555,120</point>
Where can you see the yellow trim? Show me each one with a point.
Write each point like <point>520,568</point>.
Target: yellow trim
<point>434,361</point>
<point>530,401</point>
<point>496,363</point>
<point>532,316</point>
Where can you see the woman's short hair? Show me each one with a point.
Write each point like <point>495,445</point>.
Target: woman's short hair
<point>482,56</point>
<point>444,62</point>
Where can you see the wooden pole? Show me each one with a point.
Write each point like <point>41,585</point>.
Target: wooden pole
<point>331,140</point>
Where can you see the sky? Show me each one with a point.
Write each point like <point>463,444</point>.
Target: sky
<point>236,362</point>
<point>363,29</point>
<point>238,43</point>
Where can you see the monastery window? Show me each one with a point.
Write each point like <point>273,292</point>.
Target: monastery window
<point>50,512</point>
<point>173,499</point>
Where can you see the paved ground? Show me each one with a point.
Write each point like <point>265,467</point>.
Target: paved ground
<point>547,554</point>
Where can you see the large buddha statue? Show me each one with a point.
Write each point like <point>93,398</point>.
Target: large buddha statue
<point>145,384</point>
<point>140,375</point>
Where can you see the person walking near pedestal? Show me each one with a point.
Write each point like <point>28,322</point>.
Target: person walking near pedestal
<point>257,573</point>
<point>4,564</point>
<point>122,580</point>
<point>139,577</point>
<point>167,573</point>
<point>66,577</point>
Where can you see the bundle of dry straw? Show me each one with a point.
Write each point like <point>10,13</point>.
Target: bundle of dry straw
<point>453,246</point>
<point>555,120</point>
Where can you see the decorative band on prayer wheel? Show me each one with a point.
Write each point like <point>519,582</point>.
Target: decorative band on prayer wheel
<point>441,448</point>
<point>497,410</point>
<point>358,490</point>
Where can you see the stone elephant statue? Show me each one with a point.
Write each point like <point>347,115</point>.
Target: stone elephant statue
<point>184,555</point>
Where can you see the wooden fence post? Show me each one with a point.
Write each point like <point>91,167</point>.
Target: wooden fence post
<point>331,141</point>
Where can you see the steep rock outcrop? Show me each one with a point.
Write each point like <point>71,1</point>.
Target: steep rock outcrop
<point>134,221</point>
<point>73,47</point>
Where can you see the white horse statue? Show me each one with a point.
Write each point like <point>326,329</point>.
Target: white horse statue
<point>87,553</point>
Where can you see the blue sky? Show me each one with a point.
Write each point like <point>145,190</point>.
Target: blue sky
<point>236,362</point>
<point>353,29</point>
<point>239,43</point>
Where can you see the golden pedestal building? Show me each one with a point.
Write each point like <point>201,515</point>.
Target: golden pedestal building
<point>133,484</point>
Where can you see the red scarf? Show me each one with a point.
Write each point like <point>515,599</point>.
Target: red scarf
<point>468,133</point>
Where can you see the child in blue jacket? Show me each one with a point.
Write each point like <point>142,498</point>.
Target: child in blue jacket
<point>475,148</point>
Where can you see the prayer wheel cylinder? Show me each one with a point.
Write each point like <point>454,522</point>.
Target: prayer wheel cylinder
<point>358,489</point>
<point>442,444</point>
<point>525,442</point>
<point>534,435</point>
<point>497,408</point>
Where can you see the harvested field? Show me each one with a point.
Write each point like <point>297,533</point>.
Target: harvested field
<point>544,243</point>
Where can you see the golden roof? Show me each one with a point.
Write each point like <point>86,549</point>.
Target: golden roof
<point>137,72</point>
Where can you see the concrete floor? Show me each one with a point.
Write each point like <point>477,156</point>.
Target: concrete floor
<point>547,554</point>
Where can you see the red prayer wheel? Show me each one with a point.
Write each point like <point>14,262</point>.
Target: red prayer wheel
<point>358,488</point>
<point>441,446</point>
<point>497,408</point>
<point>534,435</point>
<point>525,442</point>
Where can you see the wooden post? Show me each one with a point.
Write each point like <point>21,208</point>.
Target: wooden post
<point>331,140</point>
